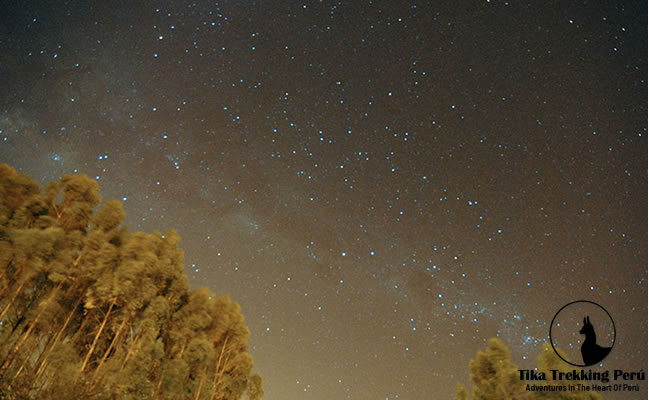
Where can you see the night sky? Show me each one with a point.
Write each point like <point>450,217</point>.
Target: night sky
<point>381,185</point>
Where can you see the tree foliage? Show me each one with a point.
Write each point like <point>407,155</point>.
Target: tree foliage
<point>495,377</point>
<point>89,310</point>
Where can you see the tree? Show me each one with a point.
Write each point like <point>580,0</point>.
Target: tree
<point>255,389</point>
<point>548,361</point>
<point>494,377</point>
<point>461,393</point>
<point>89,310</point>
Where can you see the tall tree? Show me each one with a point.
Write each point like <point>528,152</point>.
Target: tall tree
<point>88,310</point>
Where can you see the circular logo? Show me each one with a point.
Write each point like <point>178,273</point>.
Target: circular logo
<point>582,333</point>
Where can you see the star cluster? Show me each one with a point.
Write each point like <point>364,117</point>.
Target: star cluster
<point>382,185</point>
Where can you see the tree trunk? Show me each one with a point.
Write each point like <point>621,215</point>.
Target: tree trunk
<point>27,358</point>
<point>12,354</point>
<point>76,261</point>
<point>159,385</point>
<point>13,299</point>
<point>182,349</point>
<point>94,342</point>
<point>112,343</point>
<point>5,269</point>
<point>4,272</point>
<point>21,341</point>
<point>217,373</point>
<point>40,363</point>
<point>131,348</point>
<point>40,371</point>
<point>56,209</point>
<point>200,385</point>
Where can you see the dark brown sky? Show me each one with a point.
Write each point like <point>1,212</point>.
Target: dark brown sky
<point>382,185</point>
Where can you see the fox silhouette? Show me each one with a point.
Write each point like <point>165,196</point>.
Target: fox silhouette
<point>591,352</point>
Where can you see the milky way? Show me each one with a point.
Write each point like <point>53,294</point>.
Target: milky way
<point>382,185</point>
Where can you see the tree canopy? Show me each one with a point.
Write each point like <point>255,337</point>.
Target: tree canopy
<point>89,310</point>
<point>494,376</point>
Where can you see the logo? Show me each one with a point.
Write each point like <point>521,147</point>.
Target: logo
<point>582,333</point>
